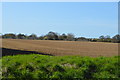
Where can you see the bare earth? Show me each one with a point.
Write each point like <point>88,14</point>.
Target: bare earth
<point>61,48</point>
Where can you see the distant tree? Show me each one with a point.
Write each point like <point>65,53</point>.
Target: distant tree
<point>41,37</point>
<point>70,37</point>
<point>89,39</point>
<point>107,37</point>
<point>63,37</point>
<point>10,35</point>
<point>55,36</point>
<point>94,40</point>
<point>45,38</point>
<point>82,39</point>
<point>102,37</point>
<point>116,38</point>
<point>21,36</point>
<point>52,36</point>
<point>32,36</point>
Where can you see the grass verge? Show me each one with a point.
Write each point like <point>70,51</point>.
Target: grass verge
<point>37,66</point>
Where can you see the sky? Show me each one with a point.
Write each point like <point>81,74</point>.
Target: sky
<point>59,0</point>
<point>86,19</point>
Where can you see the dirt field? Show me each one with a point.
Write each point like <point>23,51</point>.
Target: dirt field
<point>60,48</point>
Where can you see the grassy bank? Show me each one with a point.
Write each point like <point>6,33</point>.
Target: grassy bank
<point>36,66</point>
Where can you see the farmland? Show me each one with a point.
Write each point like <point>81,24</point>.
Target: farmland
<point>71,59</point>
<point>60,40</point>
<point>60,48</point>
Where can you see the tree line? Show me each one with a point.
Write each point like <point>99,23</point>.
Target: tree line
<point>66,37</point>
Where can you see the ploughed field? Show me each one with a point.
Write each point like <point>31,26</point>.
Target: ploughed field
<point>60,48</point>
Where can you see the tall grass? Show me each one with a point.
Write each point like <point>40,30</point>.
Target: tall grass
<point>36,66</point>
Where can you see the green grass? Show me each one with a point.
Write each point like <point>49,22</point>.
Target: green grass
<point>36,66</point>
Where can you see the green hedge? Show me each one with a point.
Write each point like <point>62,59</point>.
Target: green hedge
<point>34,66</point>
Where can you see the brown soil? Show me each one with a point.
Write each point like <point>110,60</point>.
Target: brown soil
<point>61,48</point>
